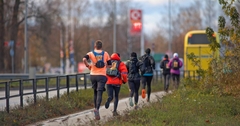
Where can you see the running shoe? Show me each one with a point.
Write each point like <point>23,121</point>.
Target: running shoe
<point>107,104</point>
<point>115,114</point>
<point>136,106</point>
<point>130,102</point>
<point>96,113</point>
<point>143,93</point>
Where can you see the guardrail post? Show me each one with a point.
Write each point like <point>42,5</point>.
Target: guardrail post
<point>188,74</point>
<point>58,87</point>
<point>21,92</point>
<point>46,88</point>
<point>68,85</point>
<point>161,76</point>
<point>85,81</point>
<point>156,76</point>
<point>76,82</point>
<point>34,91</point>
<point>7,92</point>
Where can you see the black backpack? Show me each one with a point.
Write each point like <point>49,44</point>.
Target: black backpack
<point>175,64</point>
<point>145,64</point>
<point>166,66</point>
<point>132,67</point>
<point>99,56</point>
<point>114,70</point>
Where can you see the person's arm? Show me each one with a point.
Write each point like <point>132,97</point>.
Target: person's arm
<point>181,63</point>
<point>152,62</point>
<point>85,60</point>
<point>109,63</point>
<point>127,65</point>
<point>162,64</point>
<point>139,63</point>
<point>123,70</point>
<point>170,64</point>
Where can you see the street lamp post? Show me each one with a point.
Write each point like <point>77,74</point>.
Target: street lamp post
<point>114,27</point>
<point>170,34</point>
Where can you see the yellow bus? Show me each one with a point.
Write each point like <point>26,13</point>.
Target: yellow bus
<point>197,42</point>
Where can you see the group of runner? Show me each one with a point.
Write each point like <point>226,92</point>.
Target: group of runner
<point>110,71</point>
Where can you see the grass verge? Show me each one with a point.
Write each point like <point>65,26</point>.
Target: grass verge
<point>66,104</point>
<point>184,107</point>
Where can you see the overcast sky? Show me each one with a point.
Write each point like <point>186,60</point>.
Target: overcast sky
<point>155,10</point>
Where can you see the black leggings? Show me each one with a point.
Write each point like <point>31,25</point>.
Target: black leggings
<point>146,80</point>
<point>134,87</point>
<point>116,89</point>
<point>166,81</point>
<point>98,85</point>
<point>176,80</point>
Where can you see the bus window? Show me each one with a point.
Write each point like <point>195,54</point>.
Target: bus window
<point>198,39</point>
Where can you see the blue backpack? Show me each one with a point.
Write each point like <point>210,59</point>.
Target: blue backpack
<point>99,56</point>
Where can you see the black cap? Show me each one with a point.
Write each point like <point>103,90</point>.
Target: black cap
<point>148,51</point>
<point>133,54</point>
<point>118,54</point>
<point>166,56</point>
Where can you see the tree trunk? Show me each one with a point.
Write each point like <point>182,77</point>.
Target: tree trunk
<point>14,30</point>
<point>2,33</point>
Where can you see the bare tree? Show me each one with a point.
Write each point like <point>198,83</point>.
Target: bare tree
<point>2,34</point>
<point>189,18</point>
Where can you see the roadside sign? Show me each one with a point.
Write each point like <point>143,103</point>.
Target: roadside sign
<point>135,16</point>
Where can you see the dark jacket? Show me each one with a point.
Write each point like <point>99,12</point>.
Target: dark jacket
<point>164,65</point>
<point>150,63</point>
<point>135,76</point>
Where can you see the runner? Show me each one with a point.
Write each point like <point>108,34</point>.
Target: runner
<point>116,75</point>
<point>100,60</point>
<point>133,79</point>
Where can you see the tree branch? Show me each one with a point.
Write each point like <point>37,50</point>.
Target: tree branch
<point>29,16</point>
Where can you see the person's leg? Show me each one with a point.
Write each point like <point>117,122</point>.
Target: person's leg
<point>110,95</point>
<point>165,81</point>
<point>136,90</point>
<point>174,80</point>
<point>131,87</point>
<point>100,87</point>
<point>144,82</point>
<point>149,80</point>
<point>94,86</point>
<point>178,80</point>
<point>132,90</point>
<point>95,98</point>
<point>116,92</point>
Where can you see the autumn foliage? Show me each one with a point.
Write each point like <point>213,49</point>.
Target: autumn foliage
<point>223,75</point>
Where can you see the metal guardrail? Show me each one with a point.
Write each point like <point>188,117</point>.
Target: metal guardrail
<point>25,76</point>
<point>158,76</point>
<point>34,89</point>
